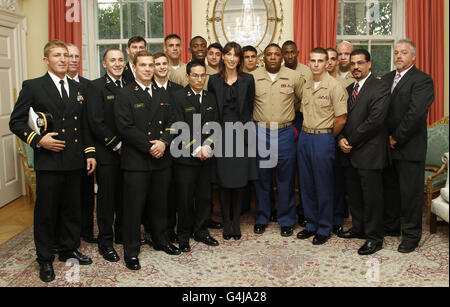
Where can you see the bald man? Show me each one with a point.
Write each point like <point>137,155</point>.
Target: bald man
<point>344,50</point>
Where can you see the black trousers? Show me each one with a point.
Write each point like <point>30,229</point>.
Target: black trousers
<point>87,204</point>
<point>365,192</point>
<point>231,202</point>
<point>403,184</point>
<point>144,193</point>
<point>193,185</point>
<point>172,205</point>
<point>57,213</point>
<point>109,204</point>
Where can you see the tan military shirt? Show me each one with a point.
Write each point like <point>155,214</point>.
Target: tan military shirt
<point>172,70</point>
<point>274,101</point>
<point>304,70</point>
<point>322,105</point>
<point>347,80</point>
<point>179,76</point>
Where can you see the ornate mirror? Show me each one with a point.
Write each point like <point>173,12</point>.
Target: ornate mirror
<point>248,22</point>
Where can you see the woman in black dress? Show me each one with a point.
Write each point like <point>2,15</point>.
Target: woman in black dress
<point>235,93</point>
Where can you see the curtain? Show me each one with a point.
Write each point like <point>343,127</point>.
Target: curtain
<point>425,27</point>
<point>64,22</point>
<point>178,20</point>
<point>315,25</point>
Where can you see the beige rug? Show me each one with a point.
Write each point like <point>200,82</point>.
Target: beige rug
<point>266,260</point>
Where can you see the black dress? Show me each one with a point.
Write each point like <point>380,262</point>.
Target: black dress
<point>232,171</point>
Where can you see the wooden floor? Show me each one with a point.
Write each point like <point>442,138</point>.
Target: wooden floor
<point>15,218</point>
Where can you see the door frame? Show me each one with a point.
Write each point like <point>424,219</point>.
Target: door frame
<point>11,17</point>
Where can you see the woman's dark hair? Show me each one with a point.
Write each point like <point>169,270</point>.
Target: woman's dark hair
<point>238,52</point>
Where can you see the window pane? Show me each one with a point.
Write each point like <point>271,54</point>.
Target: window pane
<point>381,19</point>
<point>108,21</point>
<point>354,19</point>
<point>153,48</point>
<point>155,19</point>
<point>381,59</point>
<point>133,20</point>
<point>101,51</point>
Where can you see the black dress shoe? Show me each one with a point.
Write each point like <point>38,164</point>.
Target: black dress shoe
<point>227,237</point>
<point>406,248</point>
<point>168,249</point>
<point>210,223</point>
<point>337,229</point>
<point>287,231</point>
<point>132,263</point>
<point>89,239</point>
<point>392,233</point>
<point>82,259</point>
<point>237,237</point>
<point>208,240</point>
<point>302,221</point>
<point>259,228</point>
<point>351,234</point>
<point>185,247</point>
<point>305,234</point>
<point>319,239</point>
<point>173,237</point>
<point>370,248</point>
<point>109,254</point>
<point>46,273</point>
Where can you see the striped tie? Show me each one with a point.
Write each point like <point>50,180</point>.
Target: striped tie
<point>397,78</point>
<point>355,94</point>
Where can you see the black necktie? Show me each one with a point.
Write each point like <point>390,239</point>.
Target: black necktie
<point>64,95</point>
<point>119,85</point>
<point>147,90</point>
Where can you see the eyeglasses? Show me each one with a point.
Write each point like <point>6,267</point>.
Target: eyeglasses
<point>195,76</point>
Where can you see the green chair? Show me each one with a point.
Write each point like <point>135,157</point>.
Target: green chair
<point>435,170</point>
<point>27,157</point>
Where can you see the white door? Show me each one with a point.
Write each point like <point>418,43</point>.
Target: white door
<point>10,171</point>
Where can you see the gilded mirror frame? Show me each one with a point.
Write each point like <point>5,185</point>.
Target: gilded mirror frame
<point>215,17</point>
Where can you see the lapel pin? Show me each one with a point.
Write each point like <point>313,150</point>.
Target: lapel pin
<point>136,89</point>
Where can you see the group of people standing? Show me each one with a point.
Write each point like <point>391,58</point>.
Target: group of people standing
<point>332,123</point>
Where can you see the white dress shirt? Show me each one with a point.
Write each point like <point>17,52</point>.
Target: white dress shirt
<point>56,80</point>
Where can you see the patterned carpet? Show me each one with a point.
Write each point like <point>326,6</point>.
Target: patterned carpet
<point>266,260</point>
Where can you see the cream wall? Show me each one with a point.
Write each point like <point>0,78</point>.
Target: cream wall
<point>199,27</point>
<point>36,12</point>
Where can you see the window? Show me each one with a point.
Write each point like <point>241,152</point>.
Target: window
<point>115,21</point>
<point>374,25</point>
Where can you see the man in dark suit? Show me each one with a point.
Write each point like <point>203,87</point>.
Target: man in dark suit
<point>143,119</point>
<point>167,88</point>
<point>193,168</point>
<point>101,94</point>
<point>412,95</point>
<point>135,44</point>
<point>62,152</point>
<point>87,181</point>
<point>364,146</point>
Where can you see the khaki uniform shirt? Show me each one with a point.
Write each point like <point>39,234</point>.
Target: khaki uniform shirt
<point>179,76</point>
<point>304,70</point>
<point>347,80</point>
<point>344,82</point>
<point>274,101</point>
<point>322,105</point>
<point>172,70</point>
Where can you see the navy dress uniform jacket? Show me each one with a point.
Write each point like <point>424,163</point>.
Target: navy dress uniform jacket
<point>141,119</point>
<point>68,120</point>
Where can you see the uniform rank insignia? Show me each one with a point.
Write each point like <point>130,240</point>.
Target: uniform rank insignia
<point>190,109</point>
<point>80,98</point>
<point>108,81</point>
<point>324,98</point>
<point>189,94</point>
<point>136,89</point>
<point>139,106</point>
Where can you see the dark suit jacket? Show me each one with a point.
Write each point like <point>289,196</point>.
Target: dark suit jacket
<point>408,113</point>
<point>186,107</point>
<point>246,95</point>
<point>69,121</point>
<point>141,119</point>
<point>101,95</point>
<point>366,129</point>
<point>127,74</point>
